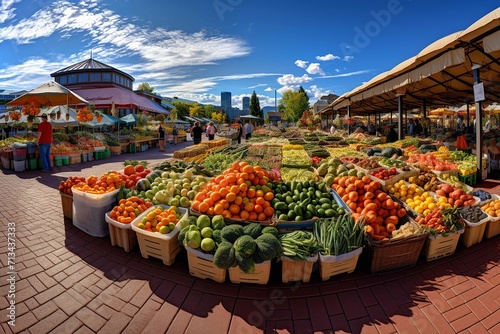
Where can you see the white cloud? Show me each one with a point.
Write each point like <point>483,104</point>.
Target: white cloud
<point>6,10</point>
<point>317,92</point>
<point>301,63</point>
<point>327,57</point>
<point>258,85</point>
<point>342,75</point>
<point>287,88</point>
<point>268,89</point>
<point>290,79</point>
<point>315,68</point>
<point>348,58</point>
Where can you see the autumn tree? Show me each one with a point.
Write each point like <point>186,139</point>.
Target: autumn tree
<point>181,108</point>
<point>255,106</point>
<point>145,87</point>
<point>196,110</point>
<point>292,105</point>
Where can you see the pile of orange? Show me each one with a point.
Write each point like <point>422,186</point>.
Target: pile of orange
<point>128,209</point>
<point>103,184</point>
<point>241,192</point>
<point>365,198</point>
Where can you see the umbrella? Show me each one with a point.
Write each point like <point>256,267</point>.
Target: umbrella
<point>129,119</point>
<point>48,94</point>
<point>442,112</point>
<point>250,117</point>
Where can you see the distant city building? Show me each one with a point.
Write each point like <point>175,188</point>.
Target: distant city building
<point>246,104</point>
<point>225,103</point>
<point>267,109</point>
<point>6,97</point>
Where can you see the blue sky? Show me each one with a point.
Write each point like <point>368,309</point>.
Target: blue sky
<point>195,49</point>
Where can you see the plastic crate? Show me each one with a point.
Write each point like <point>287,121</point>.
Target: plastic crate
<point>469,180</point>
<point>121,235</point>
<point>67,205</point>
<point>89,211</point>
<point>441,245</point>
<point>259,276</point>
<point>162,246</point>
<point>474,232</point>
<point>330,265</point>
<point>19,166</point>
<point>292,270</point>
<point>32,164</point>
<point>201,265</point>
<point>492,227</point>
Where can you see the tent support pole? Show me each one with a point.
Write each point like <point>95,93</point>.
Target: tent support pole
<point>400,117</point>
<point>479,127</point>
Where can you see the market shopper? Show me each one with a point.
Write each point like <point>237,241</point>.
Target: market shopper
<point>248,129</point>
<point>487,125</point>
<point>44,140</point>
<point>211,130</point>
<point>175,134</point>
<point>161,138</point>
<point>392,136</point>
<point>412,127</point>
<point>196,133</point>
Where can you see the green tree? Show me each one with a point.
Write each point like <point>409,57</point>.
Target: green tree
<point>181,108</point>
<point>255,106</point>
<point>301,90</point>
<point>145,87</point>
<point>209,110</point>
<point>292,105</point>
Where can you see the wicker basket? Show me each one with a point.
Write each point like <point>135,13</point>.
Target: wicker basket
<point>259,276</point>
<point>292,271</point>
<point>393,254</point>
<point>201,265</point>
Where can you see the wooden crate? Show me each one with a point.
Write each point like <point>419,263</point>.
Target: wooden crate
<point>441,246</point>
<point>162,246</point>
<point>67,205</point>
<point>259,276</point>
<point>201,265</point>
<point>330,265</point>
<point>121,234</point>
<point>292,270</point>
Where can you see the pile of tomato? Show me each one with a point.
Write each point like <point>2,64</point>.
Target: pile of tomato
<point>65,186</point>
<point>383,173</point>
<point>132,174</point>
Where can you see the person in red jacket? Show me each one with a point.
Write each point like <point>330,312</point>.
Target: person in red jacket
<point>44,140</point>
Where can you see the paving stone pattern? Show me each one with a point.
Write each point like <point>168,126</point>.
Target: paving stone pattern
<point>70,282</point>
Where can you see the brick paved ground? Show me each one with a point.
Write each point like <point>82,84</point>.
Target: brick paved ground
<point>70,282</point>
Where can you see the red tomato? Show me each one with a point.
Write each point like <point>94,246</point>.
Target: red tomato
<point>139,168</point>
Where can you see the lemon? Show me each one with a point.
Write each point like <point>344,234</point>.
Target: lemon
<point>431,206</point>
<point>426,212</point>
<point>409,200</point>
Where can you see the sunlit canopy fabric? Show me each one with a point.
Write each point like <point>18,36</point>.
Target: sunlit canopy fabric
<point>122,98</point>
<point>49,94</point>
<point>440,74</point>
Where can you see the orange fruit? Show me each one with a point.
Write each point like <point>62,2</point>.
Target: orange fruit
<point>218,208</point>
<point>224,203</point>
<point>215,196</point>
<point>210,211</point>
<point>268,196</point>
<point>238,200</point>
<point>258,208</point>
<point>234,209</point>
<point>209,201</point>
<point>268,211</point>
<point>226,214</point>
<point>223,192</point>
<point>259,193</point>
<point>203,207</point>
<point>259,200</point>
<point>224,183</point>
<point>261,217</point>
<point>199,197</point>
<point>230,197</point>
<point>244,214</point>
<point>247,169</point>
<point>251,193</point>
<point>252,215</point>
<point>234,189</point>
<point>243,186</point>
<point>248,206</point>
<point>195,205</point>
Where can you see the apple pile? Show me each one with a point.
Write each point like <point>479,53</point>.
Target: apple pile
<point>455,196</point>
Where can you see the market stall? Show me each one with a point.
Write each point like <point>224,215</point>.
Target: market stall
<point>325,204</point>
